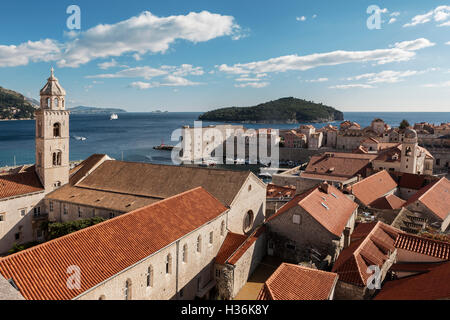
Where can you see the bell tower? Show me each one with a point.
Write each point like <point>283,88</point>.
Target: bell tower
<point>410,150</point>
<point>52,136</point>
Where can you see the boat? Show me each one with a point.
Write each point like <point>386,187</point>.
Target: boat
<point>114,116</point>
<point>79,138</point>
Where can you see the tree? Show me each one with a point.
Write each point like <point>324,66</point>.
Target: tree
<point>404,124</point>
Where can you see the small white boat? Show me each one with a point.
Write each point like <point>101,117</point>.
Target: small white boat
<point>79,138</point>
<point>114,116</point>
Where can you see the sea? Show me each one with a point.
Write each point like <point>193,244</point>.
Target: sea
<point>133,136</point>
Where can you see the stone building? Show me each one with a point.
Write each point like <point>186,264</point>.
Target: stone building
<point>237,259</point>
<point>165,250</point>
<point>313,225</point>
<point>22,190</point>
<point>372,244</point>
<point>278,196</point>
<point>432,203</point>
<point>109,188</point>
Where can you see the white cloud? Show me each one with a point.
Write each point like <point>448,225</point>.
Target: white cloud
<point>186,69</point>
<point>445,24</point>
<point>169,81</point>
<point>388,76</point>
<point>302,18</point>
<point>401,51</point>
<point>392,20</point>
<point>252,85</point>
<point>439,14</point>
<point>317,80</point>
<point>314,16</point>
<point>395,14</point>
<point>437,85</point>
<point>137,72</point>
<point>414,45</point>
<point>350,86</point>
<point>448,43</point>
<point>42,50</point>
<point>384,10</point>
<point>107,64</point>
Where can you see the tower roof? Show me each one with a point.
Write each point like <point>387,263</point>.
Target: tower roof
<point>52,87</point>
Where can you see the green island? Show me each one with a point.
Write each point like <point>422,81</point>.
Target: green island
<point>15,106</point>
<point>284,110</point>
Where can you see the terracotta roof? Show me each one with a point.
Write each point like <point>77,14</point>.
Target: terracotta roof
<point>229,246</point>
<point>234,258</point>
<point>344,165</point>
<point>326,204</point>
<point>294,282</point>
<point>388,202</point>
<point>103,250</point>
<point>20,183</point>
<point>373,187</point>
<point>162,181</point>
<point>324,177</point>
<point>373,249</point>
<point>100,199</point>
<point>435,196</point>
<point>77,173</point>
<point>415,266</point>
<point>274,191</point>
<point>431,285</point>
<point>427,246</point>
<point>412,181</point>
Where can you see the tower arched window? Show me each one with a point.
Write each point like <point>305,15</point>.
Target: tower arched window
<point>57,158</point>
<point>408,151</point>
<point>169,264</point>
<point>57,130</point>
<point>48,103</point>
<point>56,103</point>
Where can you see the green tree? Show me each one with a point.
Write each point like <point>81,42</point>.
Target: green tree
<point>404,124</point>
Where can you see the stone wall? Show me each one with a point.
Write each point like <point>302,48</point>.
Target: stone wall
<point>14,223</point>
<point>184,279</point>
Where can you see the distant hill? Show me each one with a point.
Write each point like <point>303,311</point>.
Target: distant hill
<point>284,110</point>
<point>94,110</point>
<point>14,106</point>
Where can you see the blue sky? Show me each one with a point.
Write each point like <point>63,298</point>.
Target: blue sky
<point>200,55</point>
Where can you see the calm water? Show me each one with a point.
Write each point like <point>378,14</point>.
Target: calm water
<point>134,134</point>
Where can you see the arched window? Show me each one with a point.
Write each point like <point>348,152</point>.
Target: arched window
<point>56,101</point>
<point>169,264</point>
<point>48,101</point>
<point>408,151</point>
<point>150,276</point>
<point>56,130</point>
<point>57,158</point>
<point>185,253</point>
<point>222,228</point>
<point>127,290</point>
<point>248,220</point>
<point>199,243</point>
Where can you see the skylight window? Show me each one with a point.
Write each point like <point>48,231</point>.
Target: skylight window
<point>334,195</point>
<point>325,206</point>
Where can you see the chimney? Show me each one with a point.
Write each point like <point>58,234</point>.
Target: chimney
<point>324,187</point>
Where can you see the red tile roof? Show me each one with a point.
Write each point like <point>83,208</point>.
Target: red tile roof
<point>326,204</point>
<point>427,246</point>
<point>415,266</point>
<point>373,187</point>
<point>231,243</point>
<point>412,181</point>
<point>77,173</point>
<point>234,258</point>
<point>388,202</point>
<point>103,250</point>
<point>274,191</point>
<point>431,285</point>
<point>21,183</point>
<point>435,196</point>
<point>373,249</point>
<point>294,282</point>
<point>338,164</point>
